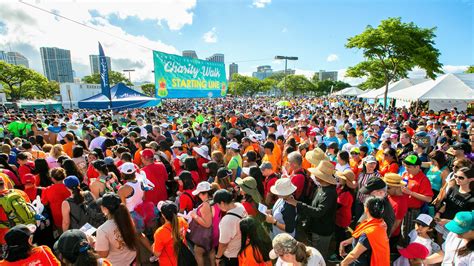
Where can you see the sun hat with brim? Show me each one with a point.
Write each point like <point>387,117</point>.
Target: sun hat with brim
<point>282,244</point>
<point>202,152</point>
<point>324,171</point>
<point>283,187</point>
<point>347,175</point>
<point>202,187</point>
<point>315,156</point>
<point>393,180</point>
<point>412,160</point>
<point>249,186</point>
<point>72,243</point>
<point>463,222</point>
<point>414,251</point>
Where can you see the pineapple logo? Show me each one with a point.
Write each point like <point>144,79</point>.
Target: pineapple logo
<point>162,91</point>
<point>223,90</point>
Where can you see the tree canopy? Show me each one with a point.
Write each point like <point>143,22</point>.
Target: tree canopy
<point>114,78</point>
<point>470,69</point>
<point>148,89</point>
<point>20,82</point>
<point>391,50</point>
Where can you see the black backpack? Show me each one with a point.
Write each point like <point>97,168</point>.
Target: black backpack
<point>86,212</point>
<point>308,189</point>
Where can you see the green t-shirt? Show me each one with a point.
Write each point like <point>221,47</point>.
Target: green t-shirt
<point>14,128</point>
<point>235,162</point>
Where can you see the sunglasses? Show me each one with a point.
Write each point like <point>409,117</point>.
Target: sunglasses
<point>459,177</point>
<point>354,153</point>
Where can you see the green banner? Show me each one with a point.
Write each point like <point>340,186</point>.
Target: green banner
<point>183,77</point>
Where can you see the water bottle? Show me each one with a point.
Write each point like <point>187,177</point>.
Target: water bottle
<point>405,180</point>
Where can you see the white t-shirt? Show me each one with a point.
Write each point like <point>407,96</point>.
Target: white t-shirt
<point>348,146</point>
<point>451,247</point>
<point>109,238</point>
<point>97,142</point>
<point>427,242</point>
<point>316,259</point>
<point>229,229</point>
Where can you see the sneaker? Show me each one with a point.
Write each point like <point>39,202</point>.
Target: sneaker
<point>335,258</point>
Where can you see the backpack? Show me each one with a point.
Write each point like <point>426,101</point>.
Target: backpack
<point>195,202</point>
<point>17,210</point>
<point>86,212</point>
<point>308,189</point>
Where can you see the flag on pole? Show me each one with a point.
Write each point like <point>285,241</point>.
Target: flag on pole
<point>104,73</point>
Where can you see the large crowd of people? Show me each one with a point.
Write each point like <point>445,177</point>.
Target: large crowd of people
<point>237,181</point>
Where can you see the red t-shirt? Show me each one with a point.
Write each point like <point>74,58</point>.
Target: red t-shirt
<point>157,174</point>
<point>269,182</point>
<point>195,176</point>
<point>91,172</point>
<point>177,166</point>
<point>298,180</point>
<point>186,200</point>
<point>419,184</point>
<point>26,169</point>
<point>249,208</point>
<point>389,168</point>
<point>54,195</point>
<point>344,212</point>
<point>202,170</point>
<point>400,208</point>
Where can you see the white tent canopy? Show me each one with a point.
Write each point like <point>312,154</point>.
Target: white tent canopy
<point>394,86</point>
<point>351,91</point>
<point>445,92</point>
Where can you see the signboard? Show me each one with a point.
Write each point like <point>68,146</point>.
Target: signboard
<point>183,77</point>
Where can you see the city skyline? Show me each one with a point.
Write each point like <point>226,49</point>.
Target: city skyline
<point>316,31</point>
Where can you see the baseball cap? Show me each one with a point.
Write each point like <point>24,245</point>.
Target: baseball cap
<point>424,219</point>
<point>177,144</point>
<point>127,168</point>
<point>282,244</point>
<point>374,183</point>
<point>202,187</point>
<point>71,244</point>
<point>414,251</point>
<point>71,181</point>
<point>355,150</point>
<point>19,234</point>
<point>462,223</point>
<point>109,161</point>
<point>266,165</point>
<point>110,201</point>
<point>223,172</point>
<point>233,146</point>
<point>370,159</point>
<point>148,154</point>
<point>461,146</point>
<point>412,160</point>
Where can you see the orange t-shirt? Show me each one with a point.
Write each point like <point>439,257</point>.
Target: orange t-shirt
<point>306,165</point>
<point>68,148</point>
<point>41,255</point>
<point>137,158</point>
<point>247,258</point>
<point>249,148</point>
<point>272,160</point>
<point>164,242</point>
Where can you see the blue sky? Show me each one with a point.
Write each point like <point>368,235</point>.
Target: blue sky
<point>249,32</point>
<point>312,30</point>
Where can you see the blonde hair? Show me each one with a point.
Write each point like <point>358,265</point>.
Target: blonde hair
<point>57,151</point>
<point>47,148</point>
<point>6,149</point>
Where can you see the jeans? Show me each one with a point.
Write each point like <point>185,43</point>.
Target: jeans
<point>321,243</point>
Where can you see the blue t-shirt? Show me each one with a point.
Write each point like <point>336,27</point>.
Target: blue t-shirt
<point>364,258</point>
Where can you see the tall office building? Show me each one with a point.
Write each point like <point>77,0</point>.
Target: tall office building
<point>233,69</point>
<point>14,58</point>
<point>190,54</point>
<point>263,72</point>
<point>94,62</point>
<point>57,64</point>
<point>219,58</point>
<point>327,75</point>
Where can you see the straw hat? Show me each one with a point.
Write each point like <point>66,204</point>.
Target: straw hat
<point>316,156</point>
<point>393,180</point>
<point>324,171</point>
<point>347,175</point>
<point>249,186</point>
<point>283,187</point>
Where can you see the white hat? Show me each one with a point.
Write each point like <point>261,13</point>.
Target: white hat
<point>253,138</point>
<point>165,125</point>
<point>127,168</point>
<point>376,123</point>
<point>177,144</point>
<point>425,219</point>
<point>202,187</point>
<point>201,151</point>
<point>183,157</point>
<point>261,124</point>
<point>233,145</point>
<point>283,187</point>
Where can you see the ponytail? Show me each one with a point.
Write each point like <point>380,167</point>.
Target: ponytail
<point>124,223</point>
<point>175,233</point>
<point>301,253</point>
<point>77,195</point>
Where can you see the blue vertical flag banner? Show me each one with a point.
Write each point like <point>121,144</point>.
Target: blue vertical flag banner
<point>104,73</point>
<point>182,77</point>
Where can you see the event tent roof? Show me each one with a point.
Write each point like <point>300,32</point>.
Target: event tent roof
<point>351,91</point>
<point>445,87</point>
<point>122,97</point>
<point>392,87</point>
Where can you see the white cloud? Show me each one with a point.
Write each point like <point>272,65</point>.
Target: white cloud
<point>284,30</point>
<point>332,58</point>
<point>210,36</point>
<point>261,3</point>
<point>421,73</point>
<point>341,75</point>
<point>33,29</point>
<point>307,73</point>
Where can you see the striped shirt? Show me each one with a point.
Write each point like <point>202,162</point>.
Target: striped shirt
<point>362,181</point>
